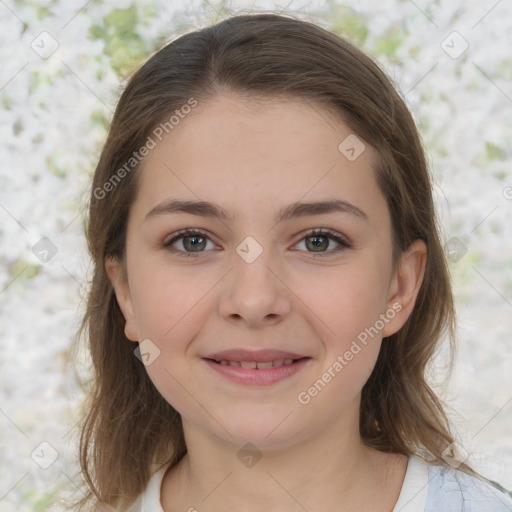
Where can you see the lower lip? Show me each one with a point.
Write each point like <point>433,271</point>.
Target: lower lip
<point>255,377</point>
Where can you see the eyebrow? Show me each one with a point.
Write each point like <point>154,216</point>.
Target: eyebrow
<point>294,210</point>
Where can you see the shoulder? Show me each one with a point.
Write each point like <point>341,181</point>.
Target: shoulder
<point>450,489</point>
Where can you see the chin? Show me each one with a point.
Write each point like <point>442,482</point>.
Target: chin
<point>270,433</point>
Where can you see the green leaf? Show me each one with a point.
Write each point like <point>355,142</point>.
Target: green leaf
<point>347,23</point>
<point>494,152</point>
<point>123,44</point>
<point>388,43</point>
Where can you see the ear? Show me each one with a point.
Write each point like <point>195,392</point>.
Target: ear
<point>119,280</point>
<point>405,285</point>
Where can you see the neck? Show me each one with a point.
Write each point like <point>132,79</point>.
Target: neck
<point>330,471</point>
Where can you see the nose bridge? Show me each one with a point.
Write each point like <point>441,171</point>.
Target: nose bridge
<point>254,292</point>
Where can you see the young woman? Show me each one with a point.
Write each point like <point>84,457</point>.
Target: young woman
<point>262,224</point>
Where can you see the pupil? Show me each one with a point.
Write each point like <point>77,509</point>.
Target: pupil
<point>317,244</point>
<point>194,245</point>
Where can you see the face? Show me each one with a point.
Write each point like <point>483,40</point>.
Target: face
<point>262,276</point>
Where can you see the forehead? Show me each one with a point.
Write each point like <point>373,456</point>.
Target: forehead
<point>270,152</point>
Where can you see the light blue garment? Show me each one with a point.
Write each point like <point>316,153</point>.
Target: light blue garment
<point>452,490</point>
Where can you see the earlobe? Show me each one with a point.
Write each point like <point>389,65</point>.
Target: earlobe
<point>119,281</point>
<point>406,285</point>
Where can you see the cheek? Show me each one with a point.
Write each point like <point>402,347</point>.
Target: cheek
<point>348,305</point>
<point>170,307</point>
<point>167,298</point>
<point>347,300</point>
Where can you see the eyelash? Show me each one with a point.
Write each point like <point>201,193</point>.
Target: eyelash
<point>344,244</point>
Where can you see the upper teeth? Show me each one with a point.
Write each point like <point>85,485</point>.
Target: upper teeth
<point>254,364</point>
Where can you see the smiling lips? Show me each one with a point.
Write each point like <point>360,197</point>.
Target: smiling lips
<point>260,359</point>
<point>256,367</point>
<point>259,365</point>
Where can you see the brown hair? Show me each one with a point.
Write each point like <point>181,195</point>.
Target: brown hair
<point>260,55</point>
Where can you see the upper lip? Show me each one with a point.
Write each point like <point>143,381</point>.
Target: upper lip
<point>257,356</point>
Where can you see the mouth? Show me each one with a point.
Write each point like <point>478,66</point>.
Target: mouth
<point>257,373</point>
<point>259,365</point>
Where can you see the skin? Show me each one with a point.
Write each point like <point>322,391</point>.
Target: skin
<point>252,159</point>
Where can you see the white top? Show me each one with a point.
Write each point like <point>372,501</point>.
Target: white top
<point>426,488</point>
<point>413,495</point>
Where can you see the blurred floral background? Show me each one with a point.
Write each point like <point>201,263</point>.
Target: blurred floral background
<point>63,66</point>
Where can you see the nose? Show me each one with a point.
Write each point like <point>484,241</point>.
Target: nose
<point>255,292</point>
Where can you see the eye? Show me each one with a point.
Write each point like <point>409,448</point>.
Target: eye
<point>320,239</point>
<point>195,241</point>
<point>192,240</point>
